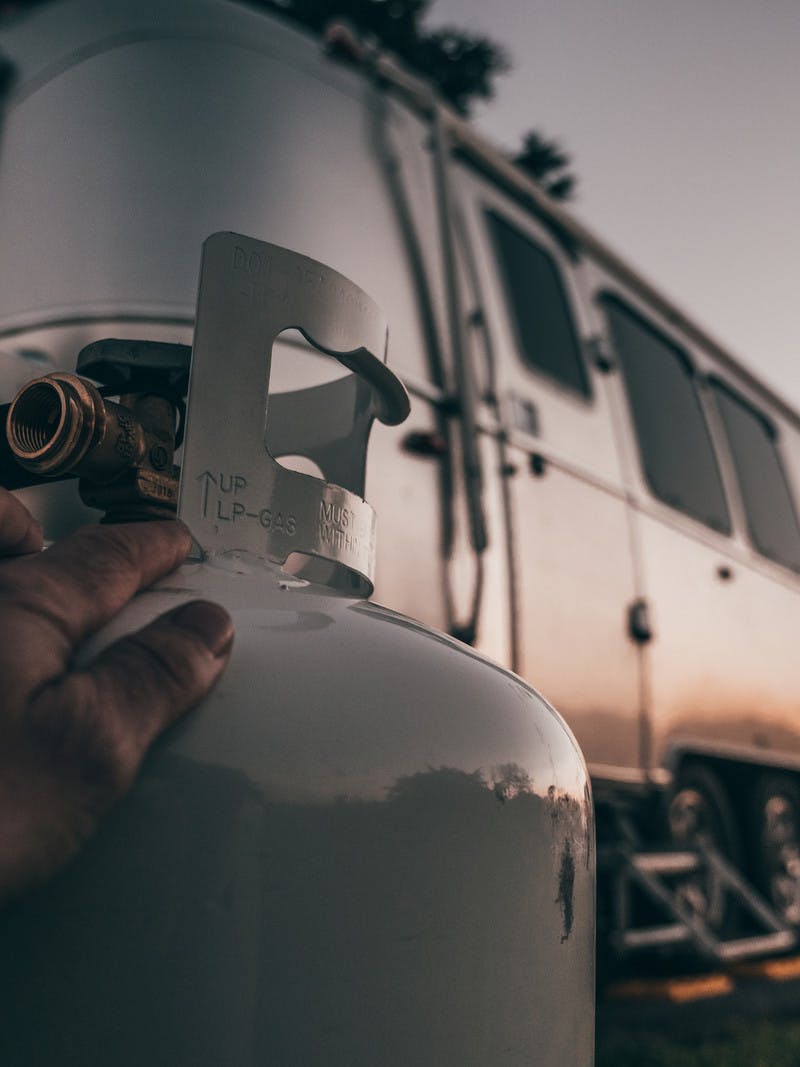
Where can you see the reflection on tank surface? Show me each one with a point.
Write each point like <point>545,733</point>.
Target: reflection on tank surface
<point>232,910</point>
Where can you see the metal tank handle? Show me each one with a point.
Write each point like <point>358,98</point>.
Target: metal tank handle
<point>233,494</point>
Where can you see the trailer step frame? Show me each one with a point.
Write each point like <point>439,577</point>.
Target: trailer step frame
<point>649,870</point>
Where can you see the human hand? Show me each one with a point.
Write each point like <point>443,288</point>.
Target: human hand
<point>72,741</point>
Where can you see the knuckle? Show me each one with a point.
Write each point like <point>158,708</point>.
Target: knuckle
<point>77,733</point>
<point>113,558</point>
<point>34,600</point>
<point>112,550</point>
<point>109,760</point>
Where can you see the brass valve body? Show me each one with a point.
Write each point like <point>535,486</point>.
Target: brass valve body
<point>123,452</point>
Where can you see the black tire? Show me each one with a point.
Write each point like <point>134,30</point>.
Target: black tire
<point>776,843</point>
<point>699,813</point>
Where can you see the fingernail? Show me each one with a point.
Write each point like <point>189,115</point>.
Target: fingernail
<point>209,621</point>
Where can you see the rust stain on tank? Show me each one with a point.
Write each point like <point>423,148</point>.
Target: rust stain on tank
<point>566,889</point>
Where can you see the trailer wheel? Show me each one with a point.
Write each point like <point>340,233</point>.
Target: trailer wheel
<point>777,843</point>
<point>699,814</point>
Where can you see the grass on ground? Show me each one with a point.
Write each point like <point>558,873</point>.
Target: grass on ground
<point>763,1044</point>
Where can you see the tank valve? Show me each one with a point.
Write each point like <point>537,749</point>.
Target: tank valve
<point>122,452</point>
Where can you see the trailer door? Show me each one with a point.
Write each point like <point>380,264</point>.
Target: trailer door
<point>572,560</point>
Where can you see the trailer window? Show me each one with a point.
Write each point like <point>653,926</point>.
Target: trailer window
<point>771,517</point>
<point>674,443</point>
<point>539,310</point>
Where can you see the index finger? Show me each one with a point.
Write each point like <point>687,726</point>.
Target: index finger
<point>80,583</point>
<point>19,531</point>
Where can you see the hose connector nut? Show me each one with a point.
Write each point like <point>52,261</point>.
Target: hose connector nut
<point>61,424</point>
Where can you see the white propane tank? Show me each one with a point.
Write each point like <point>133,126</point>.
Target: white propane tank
<point>369,845</point>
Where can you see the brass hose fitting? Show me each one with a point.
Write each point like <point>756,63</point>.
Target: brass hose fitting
<point>122,452</point>
<point>61,424</point>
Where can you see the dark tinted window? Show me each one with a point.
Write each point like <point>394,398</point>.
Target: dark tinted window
<point>674,442</point>
<point>539,309</point>
<point>770,513</point>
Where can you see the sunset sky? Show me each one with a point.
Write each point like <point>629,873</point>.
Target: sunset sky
<point>683,121</point>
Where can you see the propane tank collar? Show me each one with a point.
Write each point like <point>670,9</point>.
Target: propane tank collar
<point>234,494</point>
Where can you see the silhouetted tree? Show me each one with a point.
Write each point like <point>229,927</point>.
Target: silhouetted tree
<point>547,163</point>
<point>462,65</point>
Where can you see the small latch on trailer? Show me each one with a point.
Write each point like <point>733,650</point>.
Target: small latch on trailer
<point>523,414</point>
<point>538,464</point>
<point>425,443</point>
<point>599,352</point>
<point>639,626</point>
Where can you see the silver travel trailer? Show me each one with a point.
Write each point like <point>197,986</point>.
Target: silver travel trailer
<point>589,489</point>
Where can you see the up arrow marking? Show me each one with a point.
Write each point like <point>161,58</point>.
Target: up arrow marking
<point>209,477</point>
